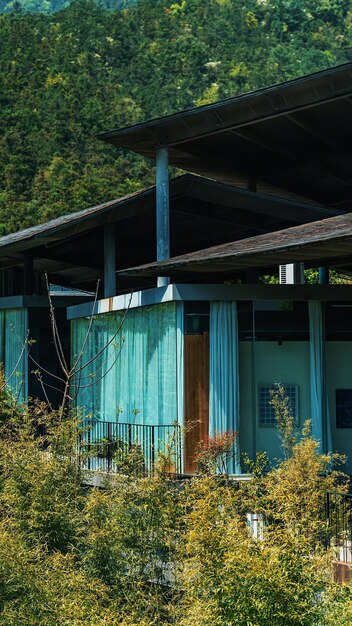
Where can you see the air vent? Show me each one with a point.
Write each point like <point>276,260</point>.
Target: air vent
<point>286,273</point>
<point>291,273</point>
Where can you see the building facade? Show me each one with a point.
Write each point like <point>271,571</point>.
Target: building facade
<point>183,330</point>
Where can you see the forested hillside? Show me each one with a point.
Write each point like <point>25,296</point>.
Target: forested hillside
<point>49,6</point>
<point>69,75</point>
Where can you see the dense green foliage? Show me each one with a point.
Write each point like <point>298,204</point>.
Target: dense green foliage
<point>149,552</point>
<point>48,6</point>
<point>67,76</point>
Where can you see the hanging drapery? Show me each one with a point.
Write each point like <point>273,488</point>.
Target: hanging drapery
<point>180,332</point>
<point>13,331</point>
<point>224,412</point>
<point>321,427</point>
<point>135,379</point>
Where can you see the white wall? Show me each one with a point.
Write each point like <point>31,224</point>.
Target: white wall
<point>266,362</point>
<point>339,376</point>
<point>262,363</point>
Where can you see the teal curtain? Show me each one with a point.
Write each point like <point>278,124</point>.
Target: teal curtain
<point>224,412</point>
<point>13,331</point>
<point>2,337</point>
<point>135,379</point>
<point>180,342</point>
<point>180,331</point>
<point>321,426</point>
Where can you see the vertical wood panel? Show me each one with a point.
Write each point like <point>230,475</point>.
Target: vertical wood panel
<point>196,359</point>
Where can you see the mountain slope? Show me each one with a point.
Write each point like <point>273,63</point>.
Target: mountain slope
<point>67,76</point>
<point>49,6</point>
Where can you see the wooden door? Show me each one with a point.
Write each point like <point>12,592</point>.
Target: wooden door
<point>196,360</point>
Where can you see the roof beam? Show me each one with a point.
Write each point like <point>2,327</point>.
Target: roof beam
<point>282,150</point>
<point>331,169</point>
<point>220,221</point>
<point>267,144</point>
<point>298,120</point>
<point>56,265</point>
<point>175,142</point>
<point>272,102</point>
<point>314,242</point>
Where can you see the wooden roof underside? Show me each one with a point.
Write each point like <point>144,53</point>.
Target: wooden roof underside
<point>293,139</point>
<point>203,213</point>
<point>328,240</point>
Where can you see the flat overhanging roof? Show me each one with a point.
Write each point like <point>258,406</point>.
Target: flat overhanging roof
<point>202,212</point>
<point>184,186</point>
<point>321,241</point>
<point>295,138</point>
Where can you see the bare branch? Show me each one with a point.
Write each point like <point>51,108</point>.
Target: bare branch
<point>105,374</point>
<point>39,377</point>
<point>43,368</point>
<point>88,329</point>
<point>110,340</point>
<point>17,363</point>
<point>55,332</point>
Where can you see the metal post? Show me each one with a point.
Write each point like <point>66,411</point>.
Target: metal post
<point>28,273</point>
<point>109,261</point>
<point>109,444</point>
<point>88,446</point>
<point>323,275</point>
<point>129,436</point>
<point>178,456</point>
<point>152,459</point>
<point>162,210</point>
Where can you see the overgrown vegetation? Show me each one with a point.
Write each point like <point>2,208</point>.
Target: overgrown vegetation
<point>67,76</point>
<point>50,6</point>
<point>147,551</point>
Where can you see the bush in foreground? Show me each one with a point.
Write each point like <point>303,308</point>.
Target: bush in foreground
<point>145,551</point>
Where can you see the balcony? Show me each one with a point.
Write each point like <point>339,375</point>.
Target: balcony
<point>118,447</point>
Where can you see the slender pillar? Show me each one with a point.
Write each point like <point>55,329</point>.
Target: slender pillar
<point>28,273</point>
<point>10,281</point>
<point>251,277</point>
<point>110,284</point>
<point>162,210</point>
<point>299,273</point>
<point>323,275</point>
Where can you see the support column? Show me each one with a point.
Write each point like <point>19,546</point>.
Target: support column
<point>323,275</point>
<point>28,273</point>
<point>162,210</point>
<point>110,283</point>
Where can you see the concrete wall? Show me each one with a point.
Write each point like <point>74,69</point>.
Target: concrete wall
<point>262,363</point>
<point>339,376</point>
<point>265,362</point>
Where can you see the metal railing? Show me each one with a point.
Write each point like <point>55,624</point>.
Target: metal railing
<point>124,447</point>
<point>339,518</point>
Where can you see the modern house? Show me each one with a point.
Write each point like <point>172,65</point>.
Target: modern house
<point>185,331</point>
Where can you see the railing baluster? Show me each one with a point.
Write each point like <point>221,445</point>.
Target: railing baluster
<point>88,447</point>
<point>152,439</point>
<point>109,450</point>
<point>339,523</point>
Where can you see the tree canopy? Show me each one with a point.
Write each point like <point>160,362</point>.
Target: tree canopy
<point>68,75</point>
<point>143,551</point>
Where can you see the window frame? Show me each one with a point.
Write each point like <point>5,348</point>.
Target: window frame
<point>338,425</point>
<point>272,386</point>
